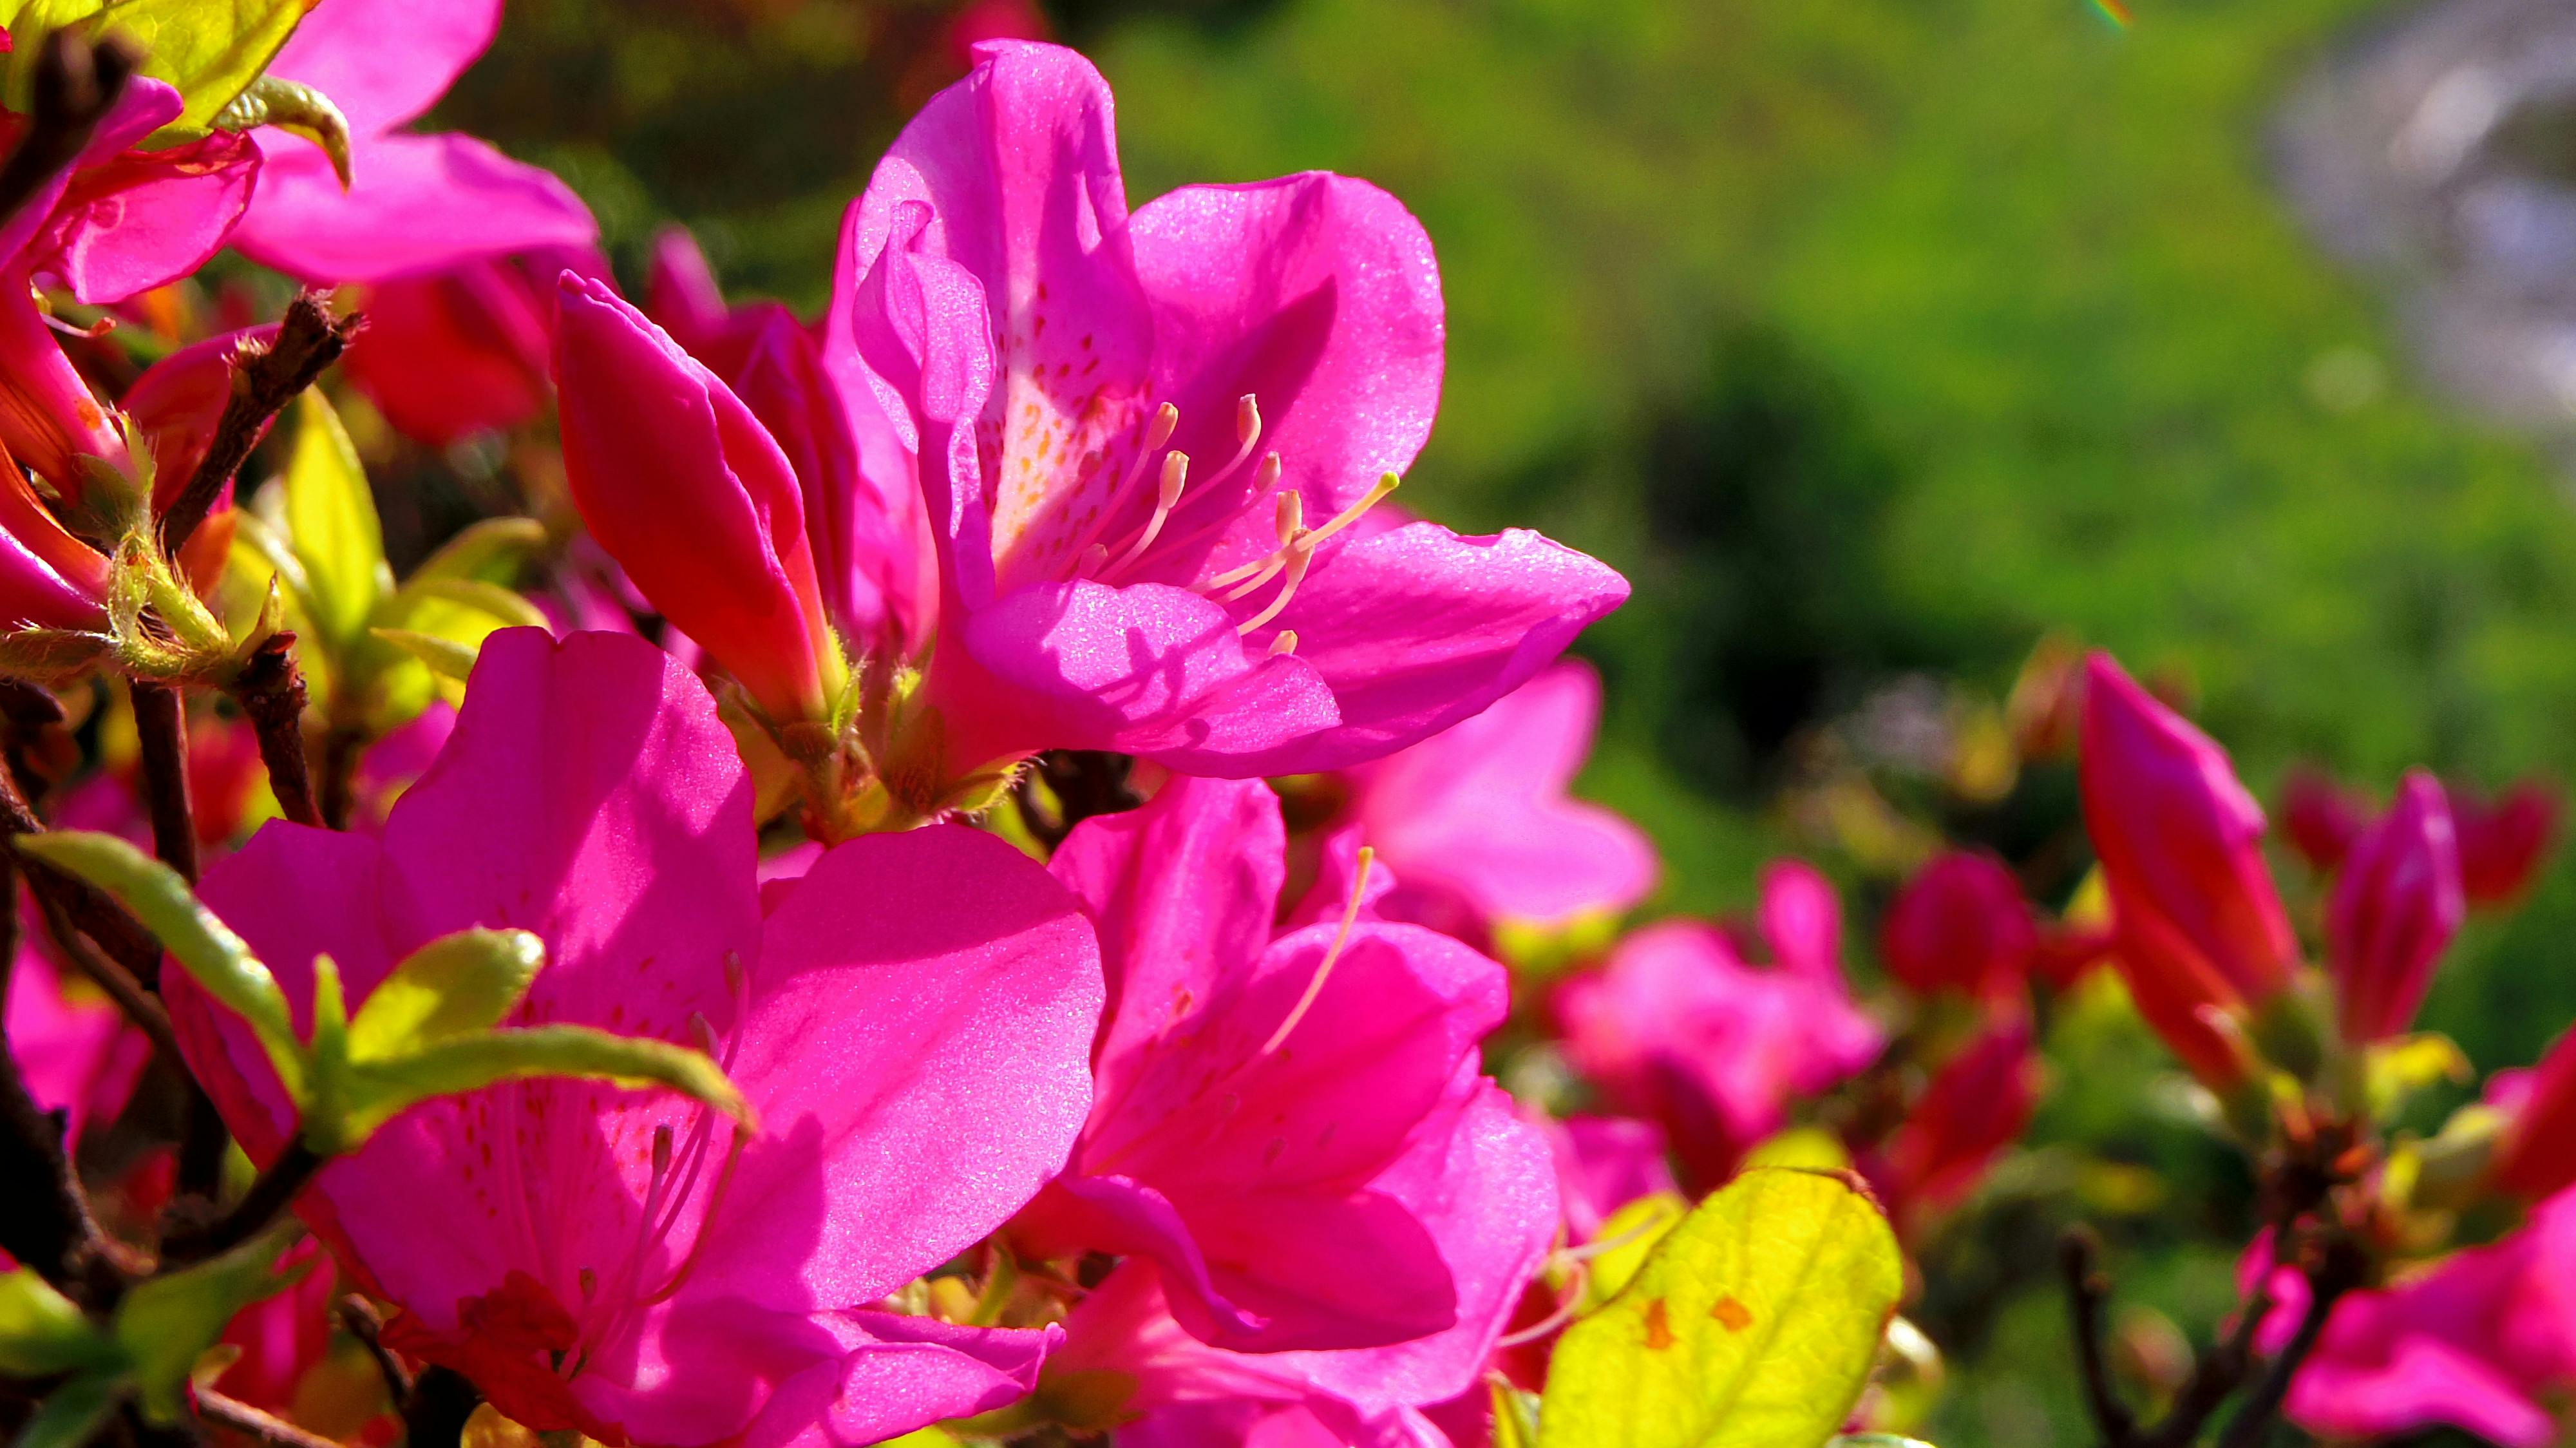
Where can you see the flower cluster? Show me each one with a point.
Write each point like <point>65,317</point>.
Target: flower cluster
<point>963,870</point>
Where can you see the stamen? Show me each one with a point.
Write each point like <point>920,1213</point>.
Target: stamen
<point>1158,431</point>
<point>1376,494</point>
<point>1300,554</point>
<point>1291,519</point>
<point>1094,558</point>
<point>661,1154</point>
<point>706,1034</point>
<point>1324,972</point>
<point>1264,483</point>
<point>1285,643</point>
<point>1176,476</point>
<point>1578,1282</point>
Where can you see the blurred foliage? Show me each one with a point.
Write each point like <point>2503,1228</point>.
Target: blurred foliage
<point>1873,340</point>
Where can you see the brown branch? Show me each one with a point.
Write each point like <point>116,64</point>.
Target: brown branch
<point>441,1401</point>
<point>140,1006</point>
<point>266,377</point>
<point>270,690</point>
<point>91,909</point>
<point>272,1193</point>
<point>76,85</point>
<point>2343,1268</point>
<point>241,1417</point>
<point>161,728</point>
<point>2087,1292</point>
<point>341,751</point>
<point>45,1220</point>
<point>359,1316</point>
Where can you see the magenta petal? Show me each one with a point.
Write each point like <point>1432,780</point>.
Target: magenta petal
<point>1480,810</point>
<point>417,204</point>
<point>1318,295</point>
<point>384,62</point>
<point>1802,921</point>
<point>919,1050</point>
<point>78,1057</point>
<point>1149,670</point>
<point>1189,880</point>
<point>144,218</point>
<point>897,1374</point>
<point>1415,629</point>
<point>2394,910</point>
<point>144,106</point>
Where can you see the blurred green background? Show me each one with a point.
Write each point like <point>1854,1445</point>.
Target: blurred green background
<point>1873,339</point>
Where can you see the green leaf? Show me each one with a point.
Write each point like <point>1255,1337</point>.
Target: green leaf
<point>490,599</point>
<point>213,956</point>
<point>208,50</point>
<point>72,1413</point>
<point>297,109</point>
<point>1515,1414</point>
<point>2397,1069</point>
<point>380,1089</point>
<point>453,986</point>
<point>489,550</point>
<point>1634,1231</point>
<point>446,658</point>
<point>331,518</point>
<point>166,1323</point>
<point>42,1333</point>
<point>1754,1325</point>
<point>1877,1440</point>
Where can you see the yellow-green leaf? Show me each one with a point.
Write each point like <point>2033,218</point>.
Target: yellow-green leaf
<point>165,1323</point>
<point>297,109</point>
<point>42,1333</point>
<point>208,950</point>
<point>445,657</point>
<point>380,1089</point>
<point>490,550</point>
<point>504,608</point>
<point>1631,1235</point>
<point>208,50</point>
<point>331,522</point>
<point>450,987</point>
<point>1753,1326</point>
<point>70,1415</point>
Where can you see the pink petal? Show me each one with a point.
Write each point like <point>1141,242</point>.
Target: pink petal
<point>1416,629</point>
<point>77,1056</point>
<point>417,204</point>
<point>2394,910</point>
<point>1174,888</point>
<point>1318,295</point>
<point>1802,921</point>
<point>918,1047</point>
<point>384,62</point>
<point>1149,670</point>
<point>1480,809</point>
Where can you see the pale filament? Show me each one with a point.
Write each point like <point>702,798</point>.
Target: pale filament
<point>1324,972</point>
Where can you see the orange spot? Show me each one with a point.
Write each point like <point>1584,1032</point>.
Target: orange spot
<point>1659,1333</point>
<point>1731,1314</point>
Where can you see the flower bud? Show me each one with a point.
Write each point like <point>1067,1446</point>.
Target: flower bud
<point>2536,1156</point>
<point>2201,929</point>
<point>691,495</point>
<point>2394,910</point>
<point>1960,924</point>
<point>2321,818</point>
<point>49,419</point>
<point>2502,840</point>
<point>1976,1106</point>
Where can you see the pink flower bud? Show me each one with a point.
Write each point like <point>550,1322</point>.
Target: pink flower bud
<point>49,418</point>
<point>1976,1106</point>
<point>2200,926</point>
<point>2321,818</point>
<point>2502,840</point>
<point>2537,1155</point>
<point>2395,908</point>
<point>691,495</point>
<point>1960,924</point>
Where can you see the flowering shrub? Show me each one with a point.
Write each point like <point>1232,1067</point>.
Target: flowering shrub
<point>955,869</point>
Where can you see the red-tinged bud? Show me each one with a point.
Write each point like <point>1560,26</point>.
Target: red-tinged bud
<point>691,495</point>
<point>2394,911</point>
<point>1977,1105</point>
<point>2503,840</point>
<point>2321,818</point>
<point>2536,1157</point>
<point>2201,929</point>
<point>1960,924</point>
<point>2067,953</point>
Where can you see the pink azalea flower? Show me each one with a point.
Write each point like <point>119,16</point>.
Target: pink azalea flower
<point>1478,827</point>
<point>2535,1157</point>
<point>449,354</point>
<point>871,543</point>
<point>2201,928</point>
<point>1977,1104</point>
<point>72,1045</point>
<point>2394,910</point>
<point>1602,1164</point>
<point>1271,1107</point>
<point>1492,1209</point>
<point>2321,818</point>
<point>2484,1340</point>
<point>910,1020</point>
<point>2503,839</point>
<point>1143,439</point>
<point>1677,1028</point>
<point>684,487</point>
<point>116,222</point>
<point>415,204</point>
<point>1961,925</point>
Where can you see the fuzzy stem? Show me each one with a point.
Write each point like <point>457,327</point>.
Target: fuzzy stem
<point>270,690</point>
